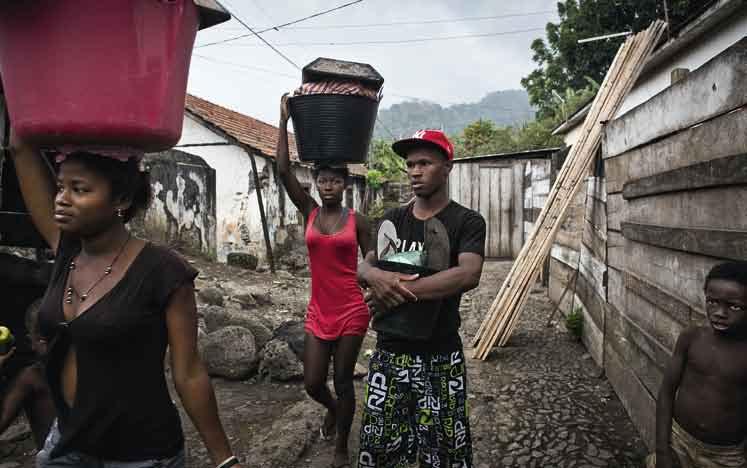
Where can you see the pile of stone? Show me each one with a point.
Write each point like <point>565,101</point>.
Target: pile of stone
<point>238,339</point>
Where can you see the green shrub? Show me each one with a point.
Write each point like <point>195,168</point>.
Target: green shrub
<point>574,322</point>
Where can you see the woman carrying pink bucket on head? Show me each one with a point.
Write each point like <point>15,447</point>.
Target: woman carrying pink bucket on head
<point>114,302</point>
<point>113,305</point>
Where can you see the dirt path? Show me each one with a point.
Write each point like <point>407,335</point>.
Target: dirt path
<point>539,402</point>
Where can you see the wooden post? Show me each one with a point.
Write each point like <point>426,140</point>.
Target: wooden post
<point>265,229</point>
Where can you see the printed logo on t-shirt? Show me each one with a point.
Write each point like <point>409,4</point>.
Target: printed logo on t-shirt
<point>389,243</point>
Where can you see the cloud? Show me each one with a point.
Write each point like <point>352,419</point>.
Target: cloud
<point>447,72</point>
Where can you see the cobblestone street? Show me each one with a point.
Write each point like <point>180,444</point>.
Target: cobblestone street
<point>541,401</point>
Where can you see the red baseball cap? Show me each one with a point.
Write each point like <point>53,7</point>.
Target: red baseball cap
<point>433,138</point>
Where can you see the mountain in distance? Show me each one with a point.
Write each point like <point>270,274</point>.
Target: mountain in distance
<point>510,107</point>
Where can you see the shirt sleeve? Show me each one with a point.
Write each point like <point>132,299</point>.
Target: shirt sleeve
<point>472,236</point>
<point>173,273</point>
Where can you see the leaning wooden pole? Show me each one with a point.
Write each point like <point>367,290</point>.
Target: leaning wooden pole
<point>505,311</point>
<point>262,216</point>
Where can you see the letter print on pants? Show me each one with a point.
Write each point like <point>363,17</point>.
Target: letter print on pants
<point>415,409</point>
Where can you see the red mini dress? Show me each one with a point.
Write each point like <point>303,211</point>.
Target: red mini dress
<point>336,307</point>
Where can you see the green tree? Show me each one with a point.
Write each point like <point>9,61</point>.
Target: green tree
<point>483,137</point>
<point>383,164</point>
<point>564,64</point>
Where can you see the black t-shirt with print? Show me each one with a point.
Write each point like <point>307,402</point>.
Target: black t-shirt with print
<point>466,231</point>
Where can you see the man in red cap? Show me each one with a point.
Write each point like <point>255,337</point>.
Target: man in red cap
<point>415,408</point>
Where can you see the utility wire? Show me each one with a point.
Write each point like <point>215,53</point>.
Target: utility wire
<point>415,23</point>
<point>276,28</point>
<point>265,41</point>
<point>395,41</point>
<point>391,134</point>
<point>408,23</point>
<point>245,67</point>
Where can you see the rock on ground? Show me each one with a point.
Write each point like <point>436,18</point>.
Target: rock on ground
<point>217,318</point>
<point>280,363</point>
<point>211,296</point>
<point>230,352</point>
<point>285,442</point>
<point>242,260</point>
<point>293,333</point>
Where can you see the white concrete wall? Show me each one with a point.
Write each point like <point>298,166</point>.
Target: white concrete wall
<point>234,207</point>
<point>573,134</point>
<point>706,47</point>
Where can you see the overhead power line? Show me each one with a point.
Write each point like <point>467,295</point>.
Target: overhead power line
<point>397,41</point>
<point>433,21</point>
<point>409,23</point>
<point>265,41</point>
<point>245,67</point>
<point>276,28</point>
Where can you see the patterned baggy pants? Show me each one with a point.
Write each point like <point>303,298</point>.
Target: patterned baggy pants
<point>415,410</point>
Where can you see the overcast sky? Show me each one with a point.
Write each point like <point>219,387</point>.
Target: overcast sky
<point>247,76</point>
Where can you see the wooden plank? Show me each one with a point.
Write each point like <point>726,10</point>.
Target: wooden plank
<point>654,321</point>
<point>713,89</point>
<point>506,176</point>
<point>723,136</point>
<point>616,292</point>
<point>616,211</point>
<point>712,242</point>
<point>465,185</point>
<point>495,212</point>
<point>696,208</point>
<point>592,336</point>
<point>474,176</point>
<point>596,188</point>
<point>645,356</point>
<point>664,300</point>
<point>528,185</point>
<point>455,181</point>
<point>517,210</point>
<point>565,255</point>
<point>637,401</point>
<point>595,212</point>
<point>588,294</point>
<point>596,241</point>
<point>594,270</point>
<point>484,207</point>
<point>731,170</point>
<point>681,273</point>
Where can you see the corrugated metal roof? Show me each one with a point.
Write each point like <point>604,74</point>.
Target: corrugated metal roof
<point>529,154</point>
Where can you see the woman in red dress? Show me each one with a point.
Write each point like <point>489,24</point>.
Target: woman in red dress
<point>337,316</point>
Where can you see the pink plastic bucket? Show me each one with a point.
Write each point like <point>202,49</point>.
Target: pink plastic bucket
<point>93,72</point>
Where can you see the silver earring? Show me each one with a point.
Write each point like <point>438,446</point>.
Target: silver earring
<point>120,213</point>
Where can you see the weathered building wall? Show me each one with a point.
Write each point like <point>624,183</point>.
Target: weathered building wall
<point>676,170</point>
<point>182,213</point>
